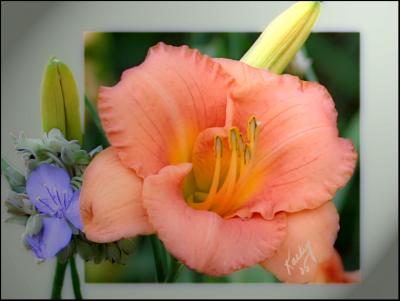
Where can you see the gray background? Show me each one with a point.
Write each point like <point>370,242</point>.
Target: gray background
<point>33,31</point>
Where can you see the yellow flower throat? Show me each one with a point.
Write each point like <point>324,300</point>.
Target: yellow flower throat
<point>224,194</point>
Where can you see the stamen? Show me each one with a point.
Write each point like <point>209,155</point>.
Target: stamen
<point>233,138</point>
<point>218,147</point>
<point>247,153</point>
<point>215,181</point>
<point>220,197</point>
<point>217,170</point>
<point>241,154</point>
<point>52,197</point>
<point>251,131</point>
<point>52,211</point>
<point>229,184</point>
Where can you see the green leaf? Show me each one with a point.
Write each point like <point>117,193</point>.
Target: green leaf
<point>15,179</point>
<point>68,152</point>
<point>113,252</point>
<point>55,140</point>
<point>95,117</point>
<point>84,250</point>
<point>173,270</point>
<point>160,258</point>
<point>72,154</point>
<point>124,259</point>
<point>99,252</point>
<point>126,245</point>
<point>253,274</point>
<point>352,132</point>
<point>81,157</point>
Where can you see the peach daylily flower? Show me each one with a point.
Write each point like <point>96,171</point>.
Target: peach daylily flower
<point>230,165</point>
<point>332,271</point>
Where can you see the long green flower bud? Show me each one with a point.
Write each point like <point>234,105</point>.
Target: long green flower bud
<point>283,37</point>
<point>60,101</point>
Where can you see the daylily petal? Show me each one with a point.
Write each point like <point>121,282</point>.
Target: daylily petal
<point>73,213</point>
<point>49,188</point>
<point>299,161</point>
<point>309,242</point>
<point>243,73</point>
<point>203,240</point>
<point>110,201</point>
<point>332,271</point>
<point>153,115</point>
<point>53,237</point>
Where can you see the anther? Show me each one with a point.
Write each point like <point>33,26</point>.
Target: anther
<point>241,153</point>
<point>218,146</point>
<point>251,131</point>
<point>233,138</point>
<point>228,186</point>
<point>217,169</point>
<point>241,145</point>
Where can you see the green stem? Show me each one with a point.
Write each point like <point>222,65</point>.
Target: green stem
<point>58,280</point>
<point>75,278</point>
<point>158,258</point>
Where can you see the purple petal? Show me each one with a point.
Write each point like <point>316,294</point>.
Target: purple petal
<point>49,189</point>
<point>73,212</point>
<point>53,237</point>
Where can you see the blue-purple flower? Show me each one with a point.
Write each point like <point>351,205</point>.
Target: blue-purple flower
<point>50,191</point>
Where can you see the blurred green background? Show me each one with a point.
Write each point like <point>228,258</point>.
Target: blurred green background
<point>335,64</point>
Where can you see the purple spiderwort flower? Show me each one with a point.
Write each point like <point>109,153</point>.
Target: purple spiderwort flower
<point>50,191</point>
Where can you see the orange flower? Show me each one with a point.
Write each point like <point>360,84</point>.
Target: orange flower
<point>230,165</point>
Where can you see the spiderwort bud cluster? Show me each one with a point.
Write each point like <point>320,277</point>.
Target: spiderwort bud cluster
<point>54,150</point>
